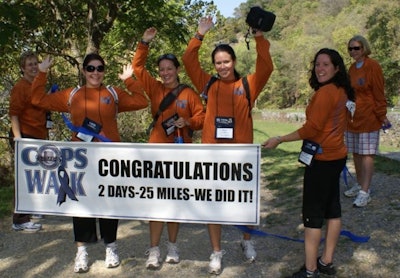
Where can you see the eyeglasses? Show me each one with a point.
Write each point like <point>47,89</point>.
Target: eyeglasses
<point>91,68</point>
<point>354,48</point>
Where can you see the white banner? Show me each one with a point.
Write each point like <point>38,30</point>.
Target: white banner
<point>197,183</point>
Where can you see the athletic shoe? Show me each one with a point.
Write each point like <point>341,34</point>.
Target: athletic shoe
<point>27,227</point>
<point>112,259</point>
<point>36,216</point>
<point>153,262</point>
<point>173,253</point>
<point>81,262</point>
<point>303,273</point>
<point>362,199</point>
<point>327,269</point>
<point>352,192</point>
<point>248,250</point>
<point>215,262</point>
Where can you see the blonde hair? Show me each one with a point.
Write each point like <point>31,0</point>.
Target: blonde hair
<point>364,43</point>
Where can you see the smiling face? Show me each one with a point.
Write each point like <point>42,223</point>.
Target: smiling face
<point>324,68</point>
<point>224,65</point>
<point>94,79</point>
<point>168,73</point>
<point>30,68</point>
<point>356,50</point>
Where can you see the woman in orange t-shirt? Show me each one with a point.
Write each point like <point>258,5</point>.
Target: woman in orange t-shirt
<point>175,124</point>
<point>326,121</point>
<point>362,136</point>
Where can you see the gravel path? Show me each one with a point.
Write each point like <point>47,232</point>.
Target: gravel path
<point>50,252</point>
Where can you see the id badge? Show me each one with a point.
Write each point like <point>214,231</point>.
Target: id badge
<point>169,124</point>
<point>224,127</point>
<point>91,126</point>
<point>308,151</point>
<point>49,121</point>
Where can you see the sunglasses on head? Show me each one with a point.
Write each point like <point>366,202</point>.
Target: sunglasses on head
<point>167,56</point>
<point>354,48</point>
<point>91,68</point>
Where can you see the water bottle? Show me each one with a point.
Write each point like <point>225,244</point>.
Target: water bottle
<point>54,88</point>
<point>179,137</point>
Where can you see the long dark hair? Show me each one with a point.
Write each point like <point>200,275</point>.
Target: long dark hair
<point>225,48</point>
<point>340,79</point>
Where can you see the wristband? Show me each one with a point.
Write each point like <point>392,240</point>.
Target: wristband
<point>144,42</point>
<point>198,36</point>
<point>278,138</point>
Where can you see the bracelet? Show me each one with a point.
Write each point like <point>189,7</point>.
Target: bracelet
<point>278,138</point>
<point>199,36</point>
<point>144,42</point>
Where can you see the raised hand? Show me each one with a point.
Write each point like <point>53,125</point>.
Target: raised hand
<point>149,34</point>
<point>45,64</point>
<point>205,24</point>
<point>127,72</point>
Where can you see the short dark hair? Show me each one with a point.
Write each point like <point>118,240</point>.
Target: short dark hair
<point>92,56</point>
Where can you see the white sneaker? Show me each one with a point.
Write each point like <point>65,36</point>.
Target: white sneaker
<point>37,216</point>
<point>215,262</point>
<point>81,262</point>
<point>27,227</point>
<point>112,259</point>
<point>248,250</point>
<point>362,199</point>
<point>153,262</point>
<point>352,192</point>
<point>173,253</point>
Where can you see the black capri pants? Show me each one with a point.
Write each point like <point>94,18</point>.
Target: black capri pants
<point>85,229</point>
<point>321,192</point>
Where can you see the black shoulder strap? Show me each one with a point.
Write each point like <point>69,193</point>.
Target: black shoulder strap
<point>247,90</point>
<point>167,101</point>
<point>204,93</point>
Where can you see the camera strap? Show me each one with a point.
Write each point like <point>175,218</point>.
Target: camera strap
<point>167,100</point>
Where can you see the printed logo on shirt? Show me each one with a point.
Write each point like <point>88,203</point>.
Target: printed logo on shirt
<point>238,91</point>
<point>181,103</point>
<point>106,100</point>
<point>361,81</point>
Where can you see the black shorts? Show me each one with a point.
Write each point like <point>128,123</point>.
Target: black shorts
<point>321,192</point>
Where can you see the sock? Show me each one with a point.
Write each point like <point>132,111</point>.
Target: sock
<point>321,262</point>
<point>309,272</point>
<point>81,248</point>
<point>111,245</point>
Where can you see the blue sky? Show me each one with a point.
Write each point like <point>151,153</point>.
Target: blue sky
<point>226,7</point>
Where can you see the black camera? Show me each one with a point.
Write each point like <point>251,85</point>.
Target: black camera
<point>259,19</point>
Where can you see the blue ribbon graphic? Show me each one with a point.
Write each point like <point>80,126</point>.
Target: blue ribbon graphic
<point>64,188</point>
<point>351,236</point>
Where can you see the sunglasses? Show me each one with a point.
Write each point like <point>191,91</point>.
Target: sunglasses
<point>91,68</point>
<point>354,48</point>
<point>167,56</point>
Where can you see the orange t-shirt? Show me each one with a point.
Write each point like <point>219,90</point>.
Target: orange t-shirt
<point>228,99</point>
<point>368,84</point>
<point>97,104</point>
<point>187,104</point>
<point>326,121</point>
<point>32,119</point>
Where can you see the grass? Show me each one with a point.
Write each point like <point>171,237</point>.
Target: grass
<point>282,173</point>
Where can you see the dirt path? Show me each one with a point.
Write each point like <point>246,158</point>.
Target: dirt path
<point>50,252</point>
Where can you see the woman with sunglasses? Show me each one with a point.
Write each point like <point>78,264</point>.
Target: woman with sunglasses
<point>179,119</point>
<point>92,102</point>
<point>227,98</point>
<point>362,136</point>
